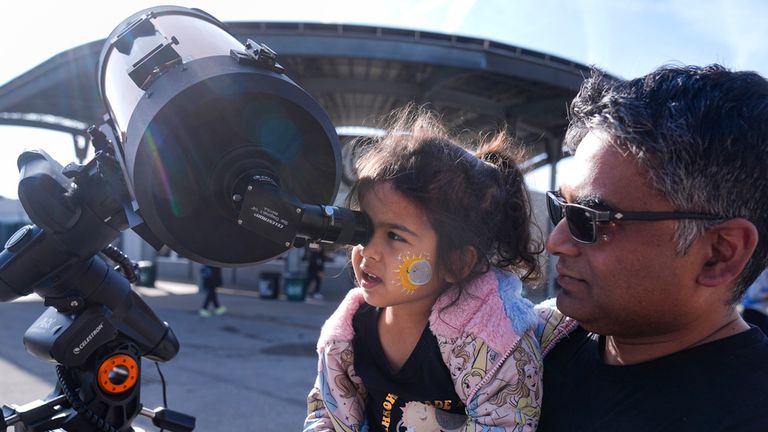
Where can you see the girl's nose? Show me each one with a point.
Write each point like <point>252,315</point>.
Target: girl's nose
<point>370,251</point>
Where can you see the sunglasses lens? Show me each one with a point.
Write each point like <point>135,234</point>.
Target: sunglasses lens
<point>580,224</point>
<point>554,209</point>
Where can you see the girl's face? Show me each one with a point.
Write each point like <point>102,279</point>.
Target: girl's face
<point>402,235</point>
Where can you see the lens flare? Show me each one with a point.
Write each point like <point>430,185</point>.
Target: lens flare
<point>160,168</point>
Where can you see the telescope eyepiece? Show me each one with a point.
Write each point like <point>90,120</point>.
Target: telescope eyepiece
<point>333,224</point>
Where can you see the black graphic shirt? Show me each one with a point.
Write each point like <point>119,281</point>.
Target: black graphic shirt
<point>423,378</point>
<point>718,386</point>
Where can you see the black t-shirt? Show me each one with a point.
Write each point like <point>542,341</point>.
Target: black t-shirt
<point>424,377</point>
<point>316,261</point>
<point>718,386</point>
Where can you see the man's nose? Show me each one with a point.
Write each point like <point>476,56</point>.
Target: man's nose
<point>560,241</point>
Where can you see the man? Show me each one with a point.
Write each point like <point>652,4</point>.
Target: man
<point>657,236</point>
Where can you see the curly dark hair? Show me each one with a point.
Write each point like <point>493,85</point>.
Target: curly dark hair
<point>701,135</point>
<point>476,199</point>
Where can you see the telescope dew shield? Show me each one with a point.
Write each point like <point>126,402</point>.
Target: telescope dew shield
<point>197,114</point>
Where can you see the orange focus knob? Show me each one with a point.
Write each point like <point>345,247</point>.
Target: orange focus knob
<point>118,374</point>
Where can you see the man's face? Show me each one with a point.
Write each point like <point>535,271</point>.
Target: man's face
<point>630,282</point>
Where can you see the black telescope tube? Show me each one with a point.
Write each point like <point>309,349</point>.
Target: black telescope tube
<point>333,224</point>
<point>133,316</point>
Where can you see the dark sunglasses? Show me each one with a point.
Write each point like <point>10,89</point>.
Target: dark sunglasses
<point>582,221</point>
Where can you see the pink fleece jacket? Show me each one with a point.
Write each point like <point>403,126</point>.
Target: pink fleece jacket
<point>488,340</point>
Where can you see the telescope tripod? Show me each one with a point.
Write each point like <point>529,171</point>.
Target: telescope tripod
<point>101,395</point>
<point>96,330</point>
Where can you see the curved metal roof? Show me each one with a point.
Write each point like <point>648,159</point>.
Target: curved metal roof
<point>357,73</point>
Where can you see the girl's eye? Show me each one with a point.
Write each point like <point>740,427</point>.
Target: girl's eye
<point>394,236</point>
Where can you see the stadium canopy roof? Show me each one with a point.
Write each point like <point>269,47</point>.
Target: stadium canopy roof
<point>357,73</point>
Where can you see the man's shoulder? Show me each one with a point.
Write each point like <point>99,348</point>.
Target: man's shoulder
<point>687,391</point>
<point>736,371</point>
<point>746,348</point>
<point>726,376</point>
<point>744,354</point>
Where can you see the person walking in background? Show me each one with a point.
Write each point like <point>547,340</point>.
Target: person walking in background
<point>315,267</point>
<point>755,303</point>
<point>209,281</point>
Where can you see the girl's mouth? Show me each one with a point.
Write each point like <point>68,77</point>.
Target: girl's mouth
<point>368,279</point>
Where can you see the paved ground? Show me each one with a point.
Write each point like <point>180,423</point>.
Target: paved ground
<point>248,370</point>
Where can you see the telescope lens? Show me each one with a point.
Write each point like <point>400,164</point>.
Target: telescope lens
<point>198,146</point>
<point>193,129</point>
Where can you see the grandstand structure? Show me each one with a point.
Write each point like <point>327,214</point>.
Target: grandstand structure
<point>357,74</point>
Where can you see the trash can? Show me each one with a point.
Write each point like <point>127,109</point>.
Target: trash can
<point>147,274</point>
<point>269,285</point>
<point>294,287</point>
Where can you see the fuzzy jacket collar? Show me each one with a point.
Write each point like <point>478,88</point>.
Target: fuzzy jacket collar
<point>491,307</point>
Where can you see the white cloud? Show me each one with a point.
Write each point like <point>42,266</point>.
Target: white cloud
<point>457,14</point>
<point>738,25</point>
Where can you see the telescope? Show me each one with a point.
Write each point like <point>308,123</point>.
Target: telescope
<point>206,147</point>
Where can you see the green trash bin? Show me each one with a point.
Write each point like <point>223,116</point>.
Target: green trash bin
<point>147,274</point>
<point>269,285</point>
<point>294,287</point>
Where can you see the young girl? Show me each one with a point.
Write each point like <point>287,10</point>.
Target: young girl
<point>437,336</point>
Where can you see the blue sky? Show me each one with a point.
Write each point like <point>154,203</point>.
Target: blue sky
<point>627,38</point>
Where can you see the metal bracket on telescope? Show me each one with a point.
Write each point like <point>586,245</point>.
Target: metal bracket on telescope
<point>259,55</point>
<point>155,63</point>
<point>141,27</point>
<point>270,212</point>
<point>37,415</point>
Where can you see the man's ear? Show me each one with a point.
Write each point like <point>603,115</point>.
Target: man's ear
<point>730,246</point>
<point>463,261</point>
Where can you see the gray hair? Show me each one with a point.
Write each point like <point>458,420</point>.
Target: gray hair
<point>701,135</point>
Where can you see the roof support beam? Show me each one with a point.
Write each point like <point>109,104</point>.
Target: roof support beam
<point>336,85</point>
<point>44,121</point>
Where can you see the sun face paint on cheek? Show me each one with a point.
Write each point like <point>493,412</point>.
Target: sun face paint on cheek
<point>414,271</point>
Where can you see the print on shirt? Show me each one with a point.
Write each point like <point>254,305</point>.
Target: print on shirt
<point>387,406</point>
<point>426,417</point>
